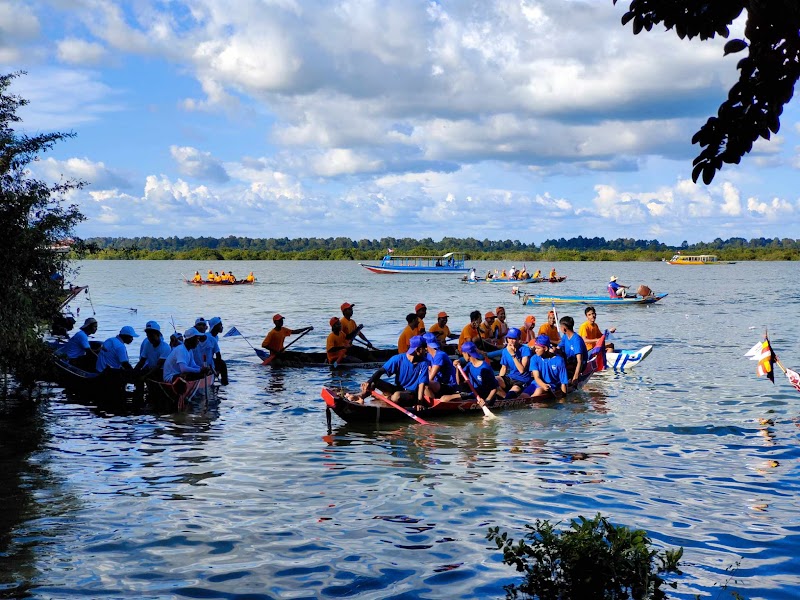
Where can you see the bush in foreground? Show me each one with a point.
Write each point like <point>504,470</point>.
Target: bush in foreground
<point>592,559</point>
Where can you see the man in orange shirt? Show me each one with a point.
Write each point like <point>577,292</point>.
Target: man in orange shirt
<point>440,329</point>
<point>527,331</point>
<point>550,329</point>
<point>489,332</point>
<point>349,327</point>
<point>274,342</point>
<point>404,341</point>
<point>590,332</point>
<point>472,331</point>
<point>500,325</point>
<point>421,310</point>
<point>337,345</point>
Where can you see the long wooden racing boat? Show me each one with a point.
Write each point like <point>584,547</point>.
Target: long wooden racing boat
<point>499,280</point>
<point>378,411</point>
<point>223,283</point>
<point>180,391</point>
<point>531,299</point>
<point>89,384</point>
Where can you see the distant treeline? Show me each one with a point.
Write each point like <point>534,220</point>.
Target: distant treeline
<point>342,248</point>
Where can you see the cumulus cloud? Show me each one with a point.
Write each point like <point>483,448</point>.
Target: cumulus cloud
<point>200,165</point>
<point>80,52</point>
<point>344,161</point>
<point>96,174</point>
<point>19,25</point>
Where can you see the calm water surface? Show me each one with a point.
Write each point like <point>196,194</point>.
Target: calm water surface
<point>253,497</point>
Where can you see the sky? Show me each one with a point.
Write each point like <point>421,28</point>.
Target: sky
<point>302,118</point>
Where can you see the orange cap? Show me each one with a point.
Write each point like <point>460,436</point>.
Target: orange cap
<point>276,318</point>
<point>346,305</point>
<point>499,308</point>
<point>530,320</point>
<point>419,306</point>
<point>441,315</point>
<point>489,315</point>
<point>334,321</point>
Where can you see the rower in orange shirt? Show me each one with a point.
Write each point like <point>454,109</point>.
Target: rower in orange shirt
<point>274,341</point>
<point>550,329</point>
<point>404,341</point>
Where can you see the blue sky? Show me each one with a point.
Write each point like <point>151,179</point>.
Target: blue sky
<point>269,118</point>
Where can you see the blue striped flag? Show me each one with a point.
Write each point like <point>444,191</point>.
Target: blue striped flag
<point>231,332</point>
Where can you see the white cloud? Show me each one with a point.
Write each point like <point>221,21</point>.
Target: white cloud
<point>19,25</point>
<point>95,174</point>
<point>343,161</point>
<point>80,52</point>
<point>200,165</point>
<point>732,204</point>
<point>775,209</point>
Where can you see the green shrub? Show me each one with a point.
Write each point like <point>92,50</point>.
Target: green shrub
<point>591,560</point>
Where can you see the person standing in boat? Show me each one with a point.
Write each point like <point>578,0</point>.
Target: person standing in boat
<point>274,340</point>
<point>78,350</point>
<point>220,366</point>
<point>473,276</point>
<point>410,371</point>
<point>421,311</point>
<point>550,329</point>
<point>404,341</point>
<point>615,289</point>
<point>573,347</point>
<point>590,332</point>
<point>181,363</point>
<point>548,371</point>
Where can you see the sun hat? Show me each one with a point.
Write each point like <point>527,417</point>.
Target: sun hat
<point>152,325</point>
<point>530,320</point>
<point>431,341</point>
<point>490,315</point>
<point>128,330</point>
<point>415,343</point>
<point>214,321</point>
<point>88,322</point>
<point>471,349</point>
<point>346,305</point>
<point>199,321</point>
<point>277,318</point>
<point>333,321</point>
<point>190,333</point>
<point>613,278</point>
<point>419,306</point>
<point>513,334</point>
<point>542,340</point>
<point>441,315</point>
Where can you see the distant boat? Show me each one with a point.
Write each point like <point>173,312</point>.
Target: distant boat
<point>530,299</point>
<point>696,259</point>
<point>392,264</point>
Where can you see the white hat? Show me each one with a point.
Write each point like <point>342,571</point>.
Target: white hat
<point>190,333</point>
<point>613,278</point>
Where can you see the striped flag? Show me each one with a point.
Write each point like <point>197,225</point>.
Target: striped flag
<point>762,352</point>
<point>232,332</point>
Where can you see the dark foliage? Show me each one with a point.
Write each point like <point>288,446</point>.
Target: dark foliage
<point>767,75</point>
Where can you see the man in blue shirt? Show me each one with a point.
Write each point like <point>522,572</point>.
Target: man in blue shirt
<point>441,372</point>
<point>573,347</point>
<point>113,355</point>
<point>78,350</point>
<point>410,372</point>
<point>219,365</point>
<point>480,375</point>
<point>548,371</point>
<point>153,352</point>
<point>514,361</point>
<point>180,362</point>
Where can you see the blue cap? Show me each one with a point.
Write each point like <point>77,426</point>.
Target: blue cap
<point>213,321</point>
<point>542,340</point>
<point>199,320</point>
<point>152,325</point>
<point>128,330</point>
<point>430,339</point>
<point>471,349</point>
<point>415,344</point>
<point>191,332</point>
<point>513,334</point>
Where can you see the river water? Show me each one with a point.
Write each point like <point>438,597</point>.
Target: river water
<point>253,497</point>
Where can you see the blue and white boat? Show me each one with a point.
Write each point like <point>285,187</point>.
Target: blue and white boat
<point>531,299</point>
<point>446,264</point>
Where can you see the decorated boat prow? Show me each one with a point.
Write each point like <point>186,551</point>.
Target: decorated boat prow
<point>181,391</point>
<point>622,360</point>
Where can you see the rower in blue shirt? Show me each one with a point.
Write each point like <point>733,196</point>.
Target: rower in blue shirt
<point>573,347</point>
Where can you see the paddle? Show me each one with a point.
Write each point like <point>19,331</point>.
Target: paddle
<point>383,398</point>
<point>486,412</point>
<point>272,356</point>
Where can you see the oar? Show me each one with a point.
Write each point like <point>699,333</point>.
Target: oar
<point>486,412</point>
<point>272,356</point>
<point>380,396</point>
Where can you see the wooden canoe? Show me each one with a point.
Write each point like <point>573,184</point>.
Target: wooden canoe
<point>531,299</point>
<point>222,283</point>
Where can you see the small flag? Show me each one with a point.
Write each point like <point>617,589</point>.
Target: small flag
<point>232,332</point>
<point>755,352</point>
<point>793,378</point>
<point>766,360</point>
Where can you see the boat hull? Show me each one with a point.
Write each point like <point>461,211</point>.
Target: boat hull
<point>499,280</point>
<point>179,394</point>
<point>221,283</point>
<point>531,299</point>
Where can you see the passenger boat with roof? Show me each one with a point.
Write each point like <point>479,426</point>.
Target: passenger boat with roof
<point>452,262</point>
<point>698,259</point>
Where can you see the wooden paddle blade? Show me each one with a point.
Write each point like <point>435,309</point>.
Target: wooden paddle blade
<point>393,404</point>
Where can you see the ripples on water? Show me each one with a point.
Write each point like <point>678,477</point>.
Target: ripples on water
<point>253,497</point>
